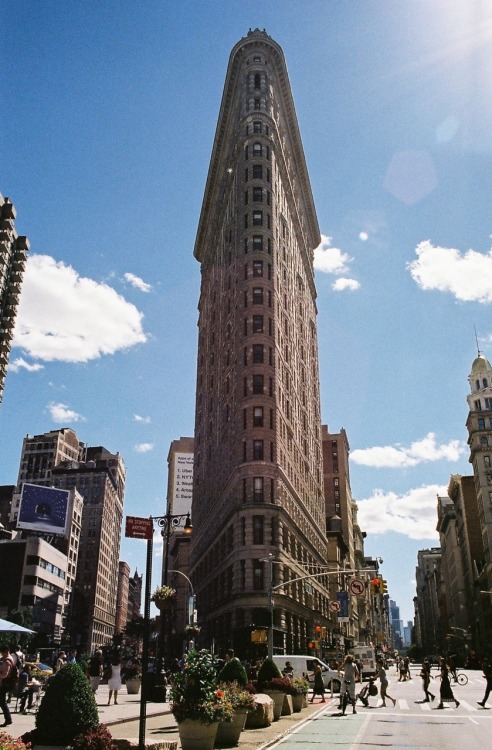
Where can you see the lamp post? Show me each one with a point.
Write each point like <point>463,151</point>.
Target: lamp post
<point>168,525</point>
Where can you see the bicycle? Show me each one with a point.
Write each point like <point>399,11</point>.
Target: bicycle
<point>461,678</point>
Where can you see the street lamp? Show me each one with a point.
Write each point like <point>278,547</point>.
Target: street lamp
<point>169,523</point>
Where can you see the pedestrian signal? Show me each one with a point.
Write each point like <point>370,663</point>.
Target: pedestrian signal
<point>376,586</point>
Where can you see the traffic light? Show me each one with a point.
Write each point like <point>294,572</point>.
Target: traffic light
<point>385,586</point>
<point>318,630</point>
<point>376,586</point>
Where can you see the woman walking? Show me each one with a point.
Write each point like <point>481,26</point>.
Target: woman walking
<point>426,677</point>
<point>384,683</point>
<point>319,688</point>
<point>350,677</point>
<point>445,692</point>
<point>114,682</point>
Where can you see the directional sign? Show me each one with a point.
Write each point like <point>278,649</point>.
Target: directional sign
<point>356,586</point>
<point>334,606</point>
<point>139,528</point>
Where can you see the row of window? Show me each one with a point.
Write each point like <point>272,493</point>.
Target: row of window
<point>485,383</point>
<point>257,385</point>
<point>257,417</point>
<point>257,173</point>
<point>258,127</point>
<point>41,563</point>
<point>258,451</point>
<point>42,584</point>
<point>257,218</point>
<point>488,406</point>
<point>257,355</point>
<point>257,151</point>
<point>257,196</point>
<point>257,296</point>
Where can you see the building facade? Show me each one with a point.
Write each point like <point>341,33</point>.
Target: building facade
<point>258,484</point>
<point>96,481</point>
<point>13,256</point>
<point>479,426</point>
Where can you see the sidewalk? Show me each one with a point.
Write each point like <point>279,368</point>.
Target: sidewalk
<point>122,721</point>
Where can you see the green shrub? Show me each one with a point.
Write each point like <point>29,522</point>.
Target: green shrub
<point>67,709</point>
<point>233,671</point>
<point>268,671</point>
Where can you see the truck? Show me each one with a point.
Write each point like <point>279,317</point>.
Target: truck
<point>365,655</point>
<point>303,666</point>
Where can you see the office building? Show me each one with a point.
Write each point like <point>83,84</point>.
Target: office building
<point>96,476</point>
<point>13,256</point>
<point>258,483</point>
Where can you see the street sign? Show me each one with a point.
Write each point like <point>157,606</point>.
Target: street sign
<point>356,586</point>
<point>334,607</point>
<point>139,528</point>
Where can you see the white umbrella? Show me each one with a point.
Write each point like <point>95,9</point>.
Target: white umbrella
<point>11,627</point>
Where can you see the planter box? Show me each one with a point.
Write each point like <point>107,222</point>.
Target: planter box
<point>229,731</point>
<point>133,686</point>
<point>298,703</point>
<point>195,735</point>
<point>278,702</point>
<point>287,708</point>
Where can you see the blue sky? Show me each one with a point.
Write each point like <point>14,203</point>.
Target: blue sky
<point>108,117</point>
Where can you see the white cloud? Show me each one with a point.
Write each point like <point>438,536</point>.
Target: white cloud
<point>414,514</point>
<point>144,447</point>
<point>467,276</point>
<point>329,259</point>
<point>61,413</point>
<point>420,451</point>
<point>69,318</point>
<point>19,363</point>
<point>137,282</point>
<point>341,285</point>
<point>142,420</point>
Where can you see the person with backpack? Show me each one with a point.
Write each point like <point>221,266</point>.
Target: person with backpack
<point>8,675</point>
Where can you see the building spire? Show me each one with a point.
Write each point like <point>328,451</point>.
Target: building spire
<point>476,339</point>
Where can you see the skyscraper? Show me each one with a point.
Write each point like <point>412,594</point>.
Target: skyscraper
<point>13,254</point>
<point>258,484</point>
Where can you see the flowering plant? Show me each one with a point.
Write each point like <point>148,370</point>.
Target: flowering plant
<point>279,683</point>
<point>195,694</point>
<point>9,743</point>
<point>299,686</point>
<point>238,696</point>
<point>192,629</point>
<point>163,593</point>
<point>132,671</point>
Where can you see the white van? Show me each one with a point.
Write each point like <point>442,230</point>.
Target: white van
<point>366,656</point>
<point>303,666</point>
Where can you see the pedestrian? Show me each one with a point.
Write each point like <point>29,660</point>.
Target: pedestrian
<point>114,682</point>
<point>350,676</point>
<point>7,668</point>
<point>426,678</point>
<point>95,670</point>
<point>319,688</point>
<point>406,662</point>
<point>384,683</point>
<point>487,673</point>
<point>72,657</point>
<point>27,688</point>
<point>61,661</point>
<point>288,670</point>
<point>445,692</point>
<point>403,671</point>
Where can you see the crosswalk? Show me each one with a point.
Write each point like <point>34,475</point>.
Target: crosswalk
<point>402,704</point>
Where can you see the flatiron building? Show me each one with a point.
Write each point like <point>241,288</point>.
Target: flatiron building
<point>258,505</point>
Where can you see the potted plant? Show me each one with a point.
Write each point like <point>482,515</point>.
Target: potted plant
<point>299,689</point>
<point>164,597</point>
<point>197,702</point>
<point>271,682</point>
<point>242,702</point>
<point>192,630</point>
<point>132,674</point>
<point>233,671</point>
<point>93,739</point>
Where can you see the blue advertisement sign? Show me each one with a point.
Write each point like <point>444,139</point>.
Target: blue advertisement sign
<point>343,601</point>
<point>43,509</point>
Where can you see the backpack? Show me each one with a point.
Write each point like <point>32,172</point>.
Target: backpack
<point>12,678</point>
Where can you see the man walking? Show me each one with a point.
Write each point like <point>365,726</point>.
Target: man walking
<point>6,669</point>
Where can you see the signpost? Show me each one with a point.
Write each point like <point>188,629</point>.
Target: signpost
<point>139,528</point>
<point>357,587</point>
